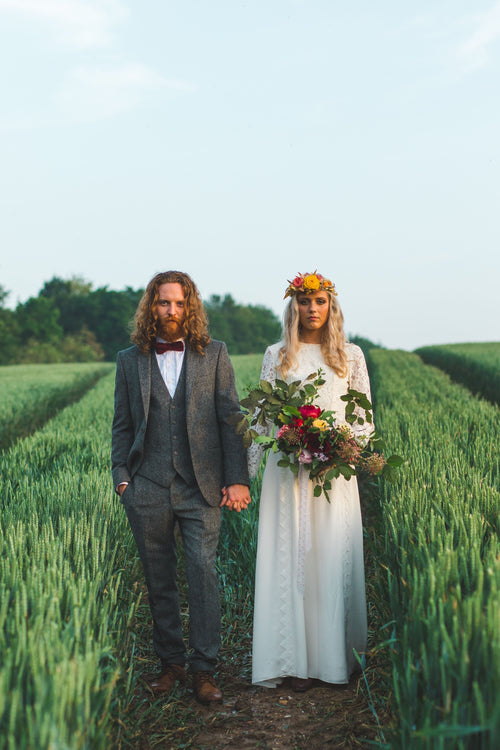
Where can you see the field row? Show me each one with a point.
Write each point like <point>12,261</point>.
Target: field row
<point>66,556</point>
<point>438,557</point>
<point>477,366</point>
<point>68,597</point>
<point>68,566</point>
<point>30,395</point>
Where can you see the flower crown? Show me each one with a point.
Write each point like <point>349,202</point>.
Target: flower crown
<point>307,283</point>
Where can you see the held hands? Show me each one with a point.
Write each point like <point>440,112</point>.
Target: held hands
<point>236,497</point>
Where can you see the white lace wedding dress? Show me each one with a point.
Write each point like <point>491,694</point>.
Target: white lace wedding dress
<point>310,605</point>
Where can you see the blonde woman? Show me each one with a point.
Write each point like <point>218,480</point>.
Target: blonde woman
<point>310,606</point>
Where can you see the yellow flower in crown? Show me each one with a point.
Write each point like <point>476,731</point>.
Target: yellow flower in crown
<point>312,282</point>
<point>307,283</point>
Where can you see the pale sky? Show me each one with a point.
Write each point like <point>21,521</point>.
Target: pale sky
<point>244,142</point>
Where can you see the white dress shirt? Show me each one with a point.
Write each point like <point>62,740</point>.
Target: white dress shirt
<point>170,364</point>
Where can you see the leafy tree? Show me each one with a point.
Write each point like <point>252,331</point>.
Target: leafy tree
<point>110,316</point>
<point>105,312</point>
<point>246,329</point>
<point>9,331</point>
<point>363,343</point>
<point>71,322</point>
<point>38,319</point>
<point>75,347</point>
<point>3,296</point>
<point>72,297</point>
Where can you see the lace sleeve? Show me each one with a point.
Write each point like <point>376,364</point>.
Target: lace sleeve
<point>359,381</point>
<point>256,451</point>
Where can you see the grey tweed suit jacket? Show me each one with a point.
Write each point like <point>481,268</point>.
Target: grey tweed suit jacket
<point>217,452</point>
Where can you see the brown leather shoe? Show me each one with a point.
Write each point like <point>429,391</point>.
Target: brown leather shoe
<point>205,688</point>
<point>165,681</point>
<point>300,685</point>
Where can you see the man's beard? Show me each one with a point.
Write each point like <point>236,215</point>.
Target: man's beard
<point>171,330</point>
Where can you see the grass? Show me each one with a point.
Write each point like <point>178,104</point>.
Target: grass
<point>438,579</point>
<point>31,395</point>
<point>477,366</point>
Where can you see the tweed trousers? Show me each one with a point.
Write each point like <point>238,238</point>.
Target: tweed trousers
<point>153,513</point>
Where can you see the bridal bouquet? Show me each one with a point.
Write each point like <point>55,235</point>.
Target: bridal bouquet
<point>310,437</point>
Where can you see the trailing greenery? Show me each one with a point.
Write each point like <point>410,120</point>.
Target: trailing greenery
<point>66,608</point>
<point>438,585</point>
<point>29,396</point>
<point>477,366</point>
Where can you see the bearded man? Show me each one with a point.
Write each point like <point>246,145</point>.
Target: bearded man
<point>176,459</point>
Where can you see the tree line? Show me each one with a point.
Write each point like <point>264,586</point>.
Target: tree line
<point>69,321</point>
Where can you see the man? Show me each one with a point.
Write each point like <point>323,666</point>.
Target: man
<point>176,459</point>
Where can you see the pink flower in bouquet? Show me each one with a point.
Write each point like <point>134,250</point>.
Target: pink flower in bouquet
<point>289,433</point>
<point>282,431</point>
<point>309,411</point>
<point>305,457</point>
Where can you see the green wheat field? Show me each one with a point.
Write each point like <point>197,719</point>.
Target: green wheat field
<point>69,571</point>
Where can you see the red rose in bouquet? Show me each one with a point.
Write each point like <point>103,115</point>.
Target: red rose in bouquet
<point>308,411</point>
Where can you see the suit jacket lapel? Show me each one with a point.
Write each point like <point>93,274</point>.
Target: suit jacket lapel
<point>191,363</point>
<point>144,368</point>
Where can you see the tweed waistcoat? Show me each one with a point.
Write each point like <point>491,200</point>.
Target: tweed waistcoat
<point>166,444</point>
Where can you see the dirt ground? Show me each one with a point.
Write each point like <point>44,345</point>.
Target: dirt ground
<point>327,716</point>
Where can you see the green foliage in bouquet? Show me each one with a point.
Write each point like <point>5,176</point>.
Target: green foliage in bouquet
<point>311,437</point>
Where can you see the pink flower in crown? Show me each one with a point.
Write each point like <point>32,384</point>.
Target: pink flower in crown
<point>297,281</point>
<point>305,457</point>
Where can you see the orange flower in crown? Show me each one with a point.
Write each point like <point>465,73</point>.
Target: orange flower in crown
<point>307,283</point>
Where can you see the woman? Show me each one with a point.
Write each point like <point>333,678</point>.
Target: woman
<point>310,606</point>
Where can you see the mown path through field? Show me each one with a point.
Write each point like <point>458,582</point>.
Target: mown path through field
<point>327,716</point>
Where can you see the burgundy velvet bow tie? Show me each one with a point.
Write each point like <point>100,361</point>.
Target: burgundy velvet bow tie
<point>165,346</point>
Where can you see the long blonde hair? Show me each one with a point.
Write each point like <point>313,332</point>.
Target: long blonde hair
<point>332,337</point>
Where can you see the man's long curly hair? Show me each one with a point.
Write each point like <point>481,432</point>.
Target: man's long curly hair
<point>333,343</point>
<point>145,326</point>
